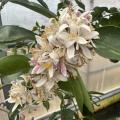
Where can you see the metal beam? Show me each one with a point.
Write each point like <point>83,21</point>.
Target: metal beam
<point>103,102</point>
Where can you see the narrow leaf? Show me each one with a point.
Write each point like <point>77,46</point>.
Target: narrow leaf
<point>87,101</point>
<point>80,4</point>
<point>43,3</point>
<point>35,7</point>
<point>46,104</point>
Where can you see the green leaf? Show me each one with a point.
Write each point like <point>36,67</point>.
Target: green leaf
<point>113,10</point>
<point>13,64</point>
<point>63,4</point>
<point>35,7</point>
<point>60,6</point>
<point>10,33</point>
<point>77,92</point>
<point>72,86</point>
<point>109,44</point>
<point>67,114</point>
<point>46,104</point>
<point>43,3</point>
<point>7,79</point>
<point>37,24</point>
<point>80,4</point>
<point>76,86</point>
<point>97,12</point>
<point>114,20</point>
<point>105,16</point>
<point>14,115</point>
<point>87,101</point>
<point>114,61</point>
<point>2,53</point>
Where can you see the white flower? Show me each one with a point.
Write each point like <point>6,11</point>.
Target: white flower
<point>18,94</point>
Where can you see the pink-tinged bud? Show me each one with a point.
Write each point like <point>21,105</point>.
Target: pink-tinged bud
<point>78,13</point>
<point>33,62</point>
<point>21,116</point>
<point>87,16</point>
<point>35,69</point>
<point>63,68</point>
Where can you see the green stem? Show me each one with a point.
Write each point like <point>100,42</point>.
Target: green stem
<point>2,86</point>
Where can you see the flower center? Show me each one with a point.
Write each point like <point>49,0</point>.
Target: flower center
<point>72,36</point>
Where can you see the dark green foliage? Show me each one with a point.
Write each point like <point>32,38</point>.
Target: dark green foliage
<point>11,33</point>
<point>102,16</point>
<point>109,44</point>
<point>35,7</point>
<point>13,64</point>
<point>81,5</point>
<point>43,3</point>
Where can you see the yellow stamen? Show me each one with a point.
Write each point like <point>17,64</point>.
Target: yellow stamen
<point>47,65</point>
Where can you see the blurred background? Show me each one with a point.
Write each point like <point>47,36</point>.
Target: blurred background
<point>99,75</point>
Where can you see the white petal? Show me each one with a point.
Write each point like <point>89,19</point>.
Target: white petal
<point>82,40</point>
<point>85,13</point>
<point>61,78</point>
<point>64,11</point>
<point>69,43</point>
<point>35,69</point>
<point>15,107</point>
<point>10,100</point>
<point>49,85</point>
<point>51,39</point>
<point>70,52</point>
<point>85,31</point>
<point>73,27</point>
<point>85,28</point>
<point>51,71</point>
<point>65,39</point>
<point>63,27</point>
<point>86,52</point>
<point>40,70</point>
<point>94,35</point>
<point>54,56</point>
<point>41,82</point>
<point>77,46</point>
<point>63,36</point>
<point>40,41</point>
<point>93,44</point>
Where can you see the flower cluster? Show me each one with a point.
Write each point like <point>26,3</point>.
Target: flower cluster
<point>24,92</point>
<point>66,43</point>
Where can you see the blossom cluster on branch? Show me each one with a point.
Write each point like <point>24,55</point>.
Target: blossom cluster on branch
<point>66,43</point>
